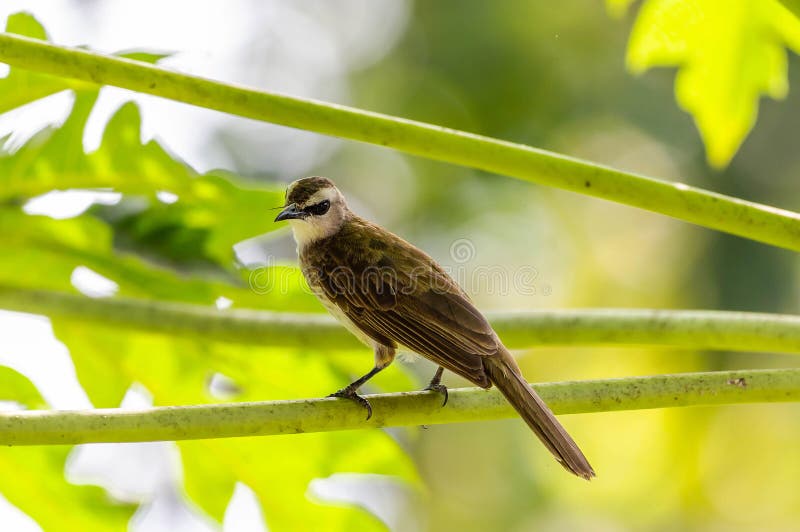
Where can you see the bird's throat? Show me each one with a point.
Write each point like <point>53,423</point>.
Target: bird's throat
<point>306,233</point>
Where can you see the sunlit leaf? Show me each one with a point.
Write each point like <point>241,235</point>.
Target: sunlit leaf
<point>617,8</point>
<point>33,477</point>
<point>212,205</point>
<point>278,469</point>
<point>16,387</point>
<point>41,253</point>
<point>147,56</point>
<point>206,216</point>
<point>729,53</point>
<point>22,86</point>
<point>793,6</point>
<point>279,472</point>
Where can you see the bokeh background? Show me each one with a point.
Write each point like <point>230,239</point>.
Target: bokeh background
<point>547,74</point>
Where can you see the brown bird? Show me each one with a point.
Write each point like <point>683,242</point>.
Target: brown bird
<point>390,294</point>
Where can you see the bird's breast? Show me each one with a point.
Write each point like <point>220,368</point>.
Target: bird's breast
<point>316,288</point>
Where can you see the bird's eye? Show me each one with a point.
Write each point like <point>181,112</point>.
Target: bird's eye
<point>319,209</point>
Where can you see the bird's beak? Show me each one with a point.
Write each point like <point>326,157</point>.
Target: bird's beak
<point>290,212</point>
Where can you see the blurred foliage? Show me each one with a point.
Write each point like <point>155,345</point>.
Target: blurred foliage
<point>532,72</point>
<point>133,243</point>
<point>792,5</point>
<point>728,53</point>
<point>33,477</point>
<point>20,86</point>
<point>553,75</point>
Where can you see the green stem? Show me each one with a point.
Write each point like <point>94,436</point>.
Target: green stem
<point>793,6</point>
<point>751,220</point>
<point>398,409</point>
<point>699,329</point>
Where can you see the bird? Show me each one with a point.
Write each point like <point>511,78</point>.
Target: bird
<point>392,295</point>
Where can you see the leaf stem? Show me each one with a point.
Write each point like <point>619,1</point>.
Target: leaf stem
<point>695,329</point>
<point>51,427</point>
<point>751,220</point>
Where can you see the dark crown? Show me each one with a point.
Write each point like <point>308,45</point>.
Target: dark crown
<point>302,189</point>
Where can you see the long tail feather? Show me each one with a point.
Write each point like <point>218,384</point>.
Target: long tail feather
<point>505,374</point>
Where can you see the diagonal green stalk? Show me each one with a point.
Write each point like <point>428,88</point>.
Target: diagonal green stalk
<point>792,5</point>
<point>737,331</point>
<point>412,408</point>
<point>751,220</point>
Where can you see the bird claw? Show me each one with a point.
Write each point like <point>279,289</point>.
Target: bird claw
<point>349,393</point>
<point>438,388</point>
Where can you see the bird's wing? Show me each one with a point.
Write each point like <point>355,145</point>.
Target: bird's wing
<point>391,290</point>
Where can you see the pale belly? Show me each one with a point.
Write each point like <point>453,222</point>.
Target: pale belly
<point>341,317</point>
<point>404,354</point>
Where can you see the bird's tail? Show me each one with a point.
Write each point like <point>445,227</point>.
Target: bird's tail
<point>505,374</point>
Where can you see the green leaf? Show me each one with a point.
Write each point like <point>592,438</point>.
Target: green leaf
<point>617,8</point>
<point>278,469</point>
<point>16,387</point>
<point>212,213</point>
<point>213,209</point>
<point>54,159</point>
<point>147,56</point>
<point>24,23</point>
<point>279,472</point>
<point>220,208</point>
<point>33,481</point>
<point>729,53</point>
<point>793,6</point>
<point>33,477</point>
<point>41,253</point>
<point>21,86</point>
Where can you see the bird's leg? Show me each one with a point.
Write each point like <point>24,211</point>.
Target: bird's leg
<point>383,357</point>
<point>349,391</point>
<point>436,384</point>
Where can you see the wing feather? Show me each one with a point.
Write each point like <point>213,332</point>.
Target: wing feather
<point>396,294</point>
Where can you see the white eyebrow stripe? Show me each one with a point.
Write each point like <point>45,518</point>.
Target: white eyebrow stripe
<point>328,193</point>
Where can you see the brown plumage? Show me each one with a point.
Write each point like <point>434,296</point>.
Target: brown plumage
<point>390,294</point>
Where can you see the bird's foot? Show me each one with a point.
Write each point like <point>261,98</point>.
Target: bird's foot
<point>439,388</point>
<point>350,393</point>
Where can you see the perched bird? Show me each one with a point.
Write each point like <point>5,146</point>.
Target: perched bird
<point>390,294</point>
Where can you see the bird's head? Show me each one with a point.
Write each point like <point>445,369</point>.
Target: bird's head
<point>315,209</point>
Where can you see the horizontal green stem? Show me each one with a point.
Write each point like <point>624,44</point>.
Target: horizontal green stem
<point>696,329</point>
<point>732,215</point>
<point>47,427</point>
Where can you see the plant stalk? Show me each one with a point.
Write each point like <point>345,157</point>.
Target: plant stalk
<point>692,329</point>
<point>53,427</point>
<point>716,211</point>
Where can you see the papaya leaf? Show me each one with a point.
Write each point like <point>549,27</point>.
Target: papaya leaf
<point>278,469</point>
<point>39,252</point>
<point>728,52</point>
<point>16,387</point>
<point>220,208</point>
<point>22,86</point>
<point>33,477</point>
<point>208,215</point>
<point>793,6</point>
<point>617,8</point>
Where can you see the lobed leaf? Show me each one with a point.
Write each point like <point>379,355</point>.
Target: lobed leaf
<point>33,477</point>
<point>728,52</point>
<point>21,87</point>
<point>177,371</point>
